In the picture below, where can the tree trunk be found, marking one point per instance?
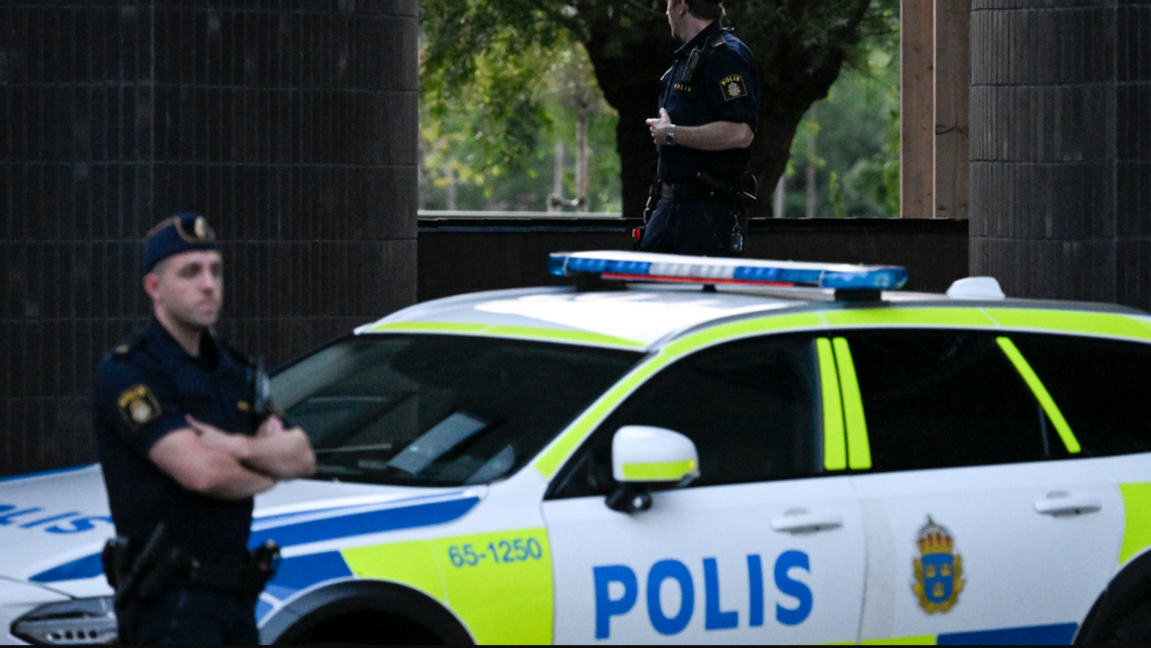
(812, 169)
(628, 74)
(583, 181)
(770, 151)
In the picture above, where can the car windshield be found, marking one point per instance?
(439, 410)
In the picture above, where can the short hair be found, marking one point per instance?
(706, 9)
(161, 267)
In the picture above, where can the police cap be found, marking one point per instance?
(184, 232)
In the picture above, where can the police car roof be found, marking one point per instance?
(677, 294)
(645, 316)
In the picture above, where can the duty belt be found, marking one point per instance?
(693, 191)
(242, 578)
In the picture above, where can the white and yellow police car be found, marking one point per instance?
(708, 459)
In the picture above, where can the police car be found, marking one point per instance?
(684, 450)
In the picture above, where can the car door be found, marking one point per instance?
(763, 547)
(984, 523)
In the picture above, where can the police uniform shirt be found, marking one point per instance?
(143, 391)
(725, 88)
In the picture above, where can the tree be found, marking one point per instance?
(485, 149)
(850, 141)
(800, 47)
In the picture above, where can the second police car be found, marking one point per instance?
(665, 462)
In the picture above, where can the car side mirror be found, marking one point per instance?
(645, 459)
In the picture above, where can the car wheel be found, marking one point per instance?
(1133, 628)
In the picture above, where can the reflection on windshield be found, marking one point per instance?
(439, 409)
(447, 435)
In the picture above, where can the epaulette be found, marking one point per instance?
(121, 352)
(125, 348)
(717, 39)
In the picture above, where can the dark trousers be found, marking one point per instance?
(695, 227)
(187, 616)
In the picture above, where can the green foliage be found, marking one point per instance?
(856, 150)
(488, 128)
(835, 196)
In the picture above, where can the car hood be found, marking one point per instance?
(53, 525)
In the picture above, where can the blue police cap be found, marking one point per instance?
(183, 232)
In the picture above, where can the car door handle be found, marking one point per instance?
(1060, 503)
(800, 521)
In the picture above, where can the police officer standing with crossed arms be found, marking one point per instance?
(183, 454)
(707, 120)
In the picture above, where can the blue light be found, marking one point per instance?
(866, 278)
(778, 275)
(675, 268)
(629, 267)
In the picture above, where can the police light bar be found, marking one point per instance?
(645, 266)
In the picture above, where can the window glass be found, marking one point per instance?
(1102, 388)
(439, 409)
(937, 399)
(750, 408)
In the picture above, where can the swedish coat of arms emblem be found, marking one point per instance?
(938, 569)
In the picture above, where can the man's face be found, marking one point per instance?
(189, 288)
(674, 19)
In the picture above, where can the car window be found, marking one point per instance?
(938, 399)
(749, 407)
(439, 409)
(1102, 388)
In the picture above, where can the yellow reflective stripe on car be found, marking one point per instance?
(408, 563)
(834, 437)
(1041, 394)
(500, 585)
(553, 457)
(858, 447)
(744, 328)
(958, 316)
(516, 332)
(1137, 528)
(662, 471)
(1112, 324)
(926, 640)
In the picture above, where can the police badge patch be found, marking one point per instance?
(733, 87)
(138, 406)
(938, 570)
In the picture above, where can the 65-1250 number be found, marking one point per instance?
(501, 551)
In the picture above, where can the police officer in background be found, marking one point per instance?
(707, 120)
(183, 454)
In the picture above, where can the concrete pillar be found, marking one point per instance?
(291, 125)
(1061, 148)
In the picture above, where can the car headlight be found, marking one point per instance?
(69, 623)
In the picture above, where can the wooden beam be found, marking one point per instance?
(917, 108)
(952, 89)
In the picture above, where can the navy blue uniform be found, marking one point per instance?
(143, 391)
(723, 87)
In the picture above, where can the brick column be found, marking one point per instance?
(291, 125)
(1061, 148)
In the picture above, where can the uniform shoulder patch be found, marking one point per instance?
(138, 406)
(733, 87)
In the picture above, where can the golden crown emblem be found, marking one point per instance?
(934, 539)
(932, 577)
